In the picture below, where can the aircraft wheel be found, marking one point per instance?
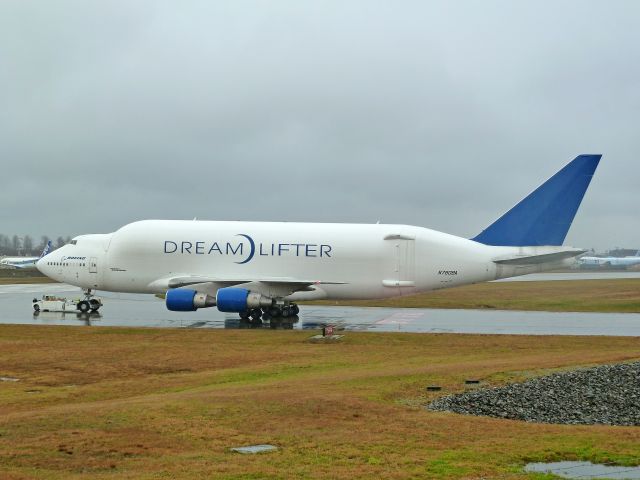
(244, 314)
(266, 316)
(275, 312)
(36, 308)
(286, 311)
(94, 304)
(84, 306)
(295, 309)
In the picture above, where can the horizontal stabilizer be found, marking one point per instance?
(538, 259)
(544, 216)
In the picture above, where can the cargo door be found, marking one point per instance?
(402, 252)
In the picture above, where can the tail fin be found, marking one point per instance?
(46, 250)
(544, 216)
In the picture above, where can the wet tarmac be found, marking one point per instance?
(149, 311)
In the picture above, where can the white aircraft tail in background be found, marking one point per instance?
(261, 269)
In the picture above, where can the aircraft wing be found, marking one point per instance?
(270, 286)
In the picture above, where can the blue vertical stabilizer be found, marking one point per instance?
(544, 217)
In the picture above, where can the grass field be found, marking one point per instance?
(23, 280)
(98, 403)
(12, 275)
(611, 295)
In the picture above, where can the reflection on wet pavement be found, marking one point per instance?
(149, 311)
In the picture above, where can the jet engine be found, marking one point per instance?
(232, 299)
(187, 300)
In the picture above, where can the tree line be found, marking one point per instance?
(25, 245)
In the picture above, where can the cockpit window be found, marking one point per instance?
(73, 242)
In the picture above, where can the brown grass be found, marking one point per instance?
(611, 295)
(145, 403)
(23, 280)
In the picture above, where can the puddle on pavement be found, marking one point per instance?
(585, 470)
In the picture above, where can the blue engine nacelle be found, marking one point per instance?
(187, 300)
(233, 299)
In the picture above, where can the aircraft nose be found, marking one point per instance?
(41, 266)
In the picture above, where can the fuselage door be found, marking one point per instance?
(403, 268)
(93, 265)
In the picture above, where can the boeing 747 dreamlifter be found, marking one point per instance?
(260, 269)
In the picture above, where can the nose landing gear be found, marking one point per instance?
(89, 303)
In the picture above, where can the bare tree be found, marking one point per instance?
(15, 245)
(27, 245)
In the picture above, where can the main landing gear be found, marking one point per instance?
(89, 303)
(257, 315)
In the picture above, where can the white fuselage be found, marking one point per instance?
(352, 260)
(609, 261)
(20, 262)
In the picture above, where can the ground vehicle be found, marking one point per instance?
(51, 303)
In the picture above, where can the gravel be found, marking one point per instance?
(608, 395)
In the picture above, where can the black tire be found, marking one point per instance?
(275, 312)
(244, 314)
(286, 311)
(94, 304)
(84, 306)
(295, 309)
(36, 308)
(266, 316)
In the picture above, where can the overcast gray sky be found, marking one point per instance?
(438, 114)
